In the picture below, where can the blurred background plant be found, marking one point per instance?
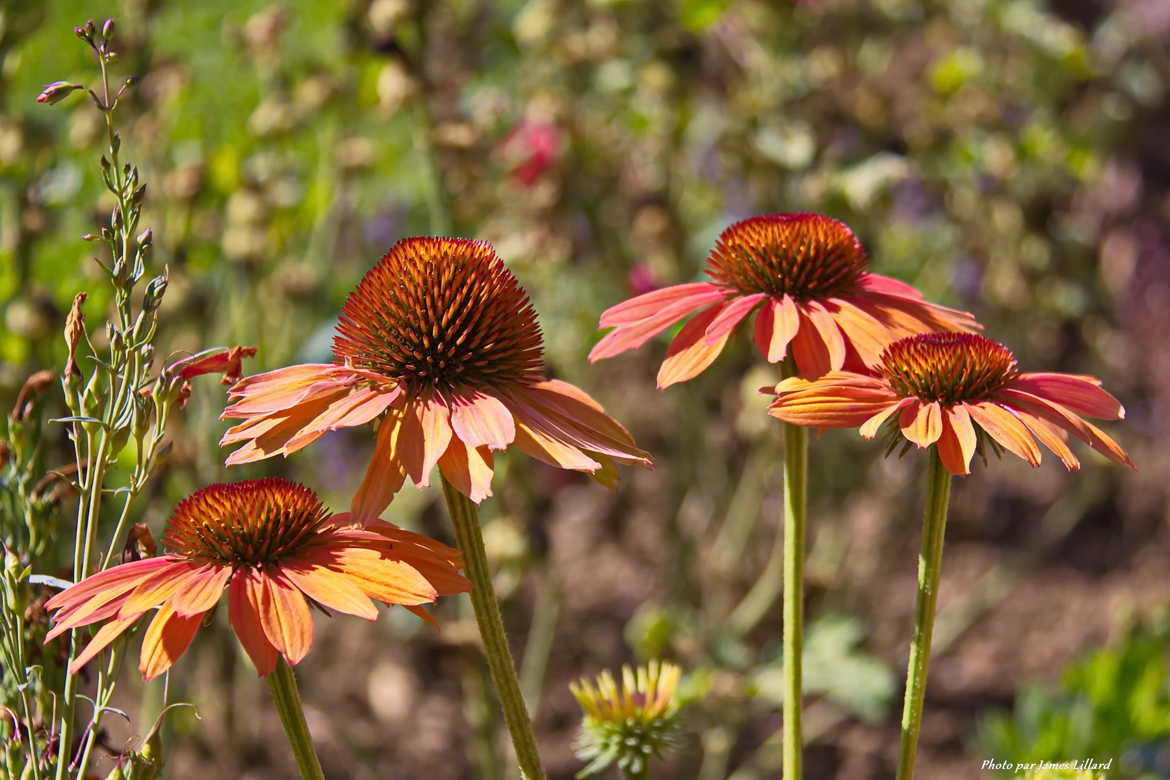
(1006, 156)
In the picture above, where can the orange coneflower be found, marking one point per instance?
(807, 274)
(441, 341)
(944, 388)
(275, 548)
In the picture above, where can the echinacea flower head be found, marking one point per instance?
(275, 548)
(950, 389)
(629, 724)
(440, 343)
(806, 276)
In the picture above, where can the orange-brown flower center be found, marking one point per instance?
(252, 523)
(948, 367)
(441, 314)
(802, 255)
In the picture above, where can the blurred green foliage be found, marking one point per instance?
(1114, 704)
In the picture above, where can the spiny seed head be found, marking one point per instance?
(948, 367)
(252, 523)
(441, 314)
(802, 255)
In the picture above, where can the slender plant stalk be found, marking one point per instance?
(283, 685)
(465, 518)
(934, 525)
(795, 516)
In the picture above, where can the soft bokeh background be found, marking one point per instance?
(1007, 156)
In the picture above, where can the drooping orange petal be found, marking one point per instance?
(1059, 415)
(830, 334)
(1051, 436)
(922, 423)
(870, 427)
(1005, 428)
(422, 613)
(689, 354)
(649, 304)
(423, 437)
(809, 350)
(203, 592)
(329, 588)
(636, 334)
(244, 599)
(167, 637)
(165, 583)
(564, 413)
(384, 475)
(105, 581)
(106, 634)
(776, 324)
(949, 451)
(730, 315)
(357, 407)
(867, 335)
(285, 616)
(964, 430)
(888, 285)
(279, 389)
(469, 470)
(839, 399)
(394, 582)
(1083, 395)
(536, 443)
(482, 420)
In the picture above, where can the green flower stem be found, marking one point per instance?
(465, 517)
(795, 515)
(934, 525)
(283, 685)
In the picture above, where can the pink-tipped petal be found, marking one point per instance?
(689, 354)
(729, 316)
(830, 334)
(423, 438)
(1080, 394)
(808, 349)
(652, 303)
(482, 420)
(870, 427)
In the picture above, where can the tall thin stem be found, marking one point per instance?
(934, 523)
(292, 716)
(465, 518)
(795, 515)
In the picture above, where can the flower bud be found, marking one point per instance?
(155, 289)
(630, 724)
(74, 332)
(57, 91)
(108, 29)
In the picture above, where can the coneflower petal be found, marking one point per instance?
(830, 334)
(1005, 428)
(649, 304)
(106, 634)
(244, 598)
(385, 474)
(1080, 394)
(482, 420)
(285, 616)
(1083, 429)
(729, 316)
(809, 349)
(327, 587)
(166, 639)
(1051, 436)
(690, 352)
(776, 324)
(922, 423)
(469, 469)
(203, 592)
(423, 437)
